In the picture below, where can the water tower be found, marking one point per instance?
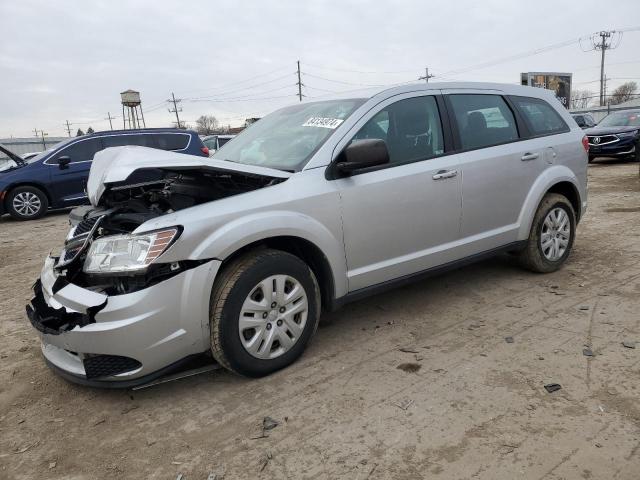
(132, 109)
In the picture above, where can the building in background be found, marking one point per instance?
(20, 146)
(560, 83)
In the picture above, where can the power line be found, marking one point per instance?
(359, 71)
(299, 83)
(426, 75)
(219, 94)
(175, 108)
(109, 117)
(240, 82)
(607, 38)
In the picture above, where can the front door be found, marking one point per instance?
(69, 183)
(402, 217)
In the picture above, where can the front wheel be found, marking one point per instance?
(551, 236)
(27, 203)
(265, 308)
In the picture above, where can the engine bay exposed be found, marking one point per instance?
(124, 206)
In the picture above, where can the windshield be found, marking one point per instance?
(621, 119)
(288, 137)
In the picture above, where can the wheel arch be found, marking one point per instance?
(37, 185)
(306, 251)
(558, 179)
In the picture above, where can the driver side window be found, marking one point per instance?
(82, 151)
(411, 128)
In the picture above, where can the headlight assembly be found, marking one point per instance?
(127, 253)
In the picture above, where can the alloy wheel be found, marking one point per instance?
(556, 233)
(27, 204)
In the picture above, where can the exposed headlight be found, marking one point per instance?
(127, 253)
(633, 133)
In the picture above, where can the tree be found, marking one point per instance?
(206, 124)
(581, 98)
(624, 92)
(79, 133)
(89, 130)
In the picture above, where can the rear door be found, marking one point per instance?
(400, 218)
(69, 184)
(497, 168)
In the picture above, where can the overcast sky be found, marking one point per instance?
(69, 60)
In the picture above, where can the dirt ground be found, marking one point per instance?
(465, 404)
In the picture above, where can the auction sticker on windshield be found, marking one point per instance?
(321, 122)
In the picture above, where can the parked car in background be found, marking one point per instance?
(616, 136)
(215, 142)
(584, 120)
(316, 205)
(57, 178)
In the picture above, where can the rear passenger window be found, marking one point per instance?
(483, 120)
(123, 140)
(172, 141)
(83, 151)
(411, 128)
(541, 118)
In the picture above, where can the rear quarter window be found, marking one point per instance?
(540, 117)
(483, 120)
(172, 141)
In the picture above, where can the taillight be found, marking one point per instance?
(585, 143)
(205, 150)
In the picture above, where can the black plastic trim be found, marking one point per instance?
(124, 384)
(413, 277)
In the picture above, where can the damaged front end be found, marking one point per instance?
(108, 305)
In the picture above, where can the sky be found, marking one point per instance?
(68, 60)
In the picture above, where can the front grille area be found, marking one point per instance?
(96, 366)
(85, 226)
(603, 139)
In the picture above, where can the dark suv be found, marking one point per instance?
(617, 136)
(57, 178)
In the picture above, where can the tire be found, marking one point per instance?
(27, 203)
(244, 349)
(544, 260)
(591, 158)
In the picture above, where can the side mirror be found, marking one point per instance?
(363, 154)
(63, 162)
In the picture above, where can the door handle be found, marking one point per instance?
(442, 174)
(529, 156)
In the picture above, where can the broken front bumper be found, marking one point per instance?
(122, 340)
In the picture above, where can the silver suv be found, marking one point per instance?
(315, 205)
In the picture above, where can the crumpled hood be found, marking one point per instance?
(116, 164)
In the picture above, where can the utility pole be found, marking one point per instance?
(426, 75)
(109, 117)
(68, 127)
(175, 107)
(299, 83)
(44, 144)
(604, 44)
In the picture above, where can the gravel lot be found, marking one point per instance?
(466, 404)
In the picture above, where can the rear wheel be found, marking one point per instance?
(551, 236)
(27, 203)
(264, 310)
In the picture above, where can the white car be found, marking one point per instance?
(215, 142)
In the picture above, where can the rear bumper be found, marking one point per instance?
(97, 339)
